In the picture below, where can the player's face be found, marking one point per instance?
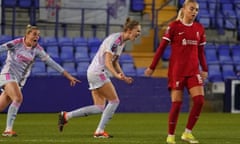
(135, 33)
(33, 37)
(191, 11)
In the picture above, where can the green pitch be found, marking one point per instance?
(127, 128)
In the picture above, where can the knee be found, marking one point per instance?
(116, 101)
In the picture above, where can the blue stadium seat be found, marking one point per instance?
(137, 5)
(210, 46)
(82, 68)
(82, 57)
(94, 43)
(70, 67)
(50, 41)
(52, 72)
(80, 41)
(126, 58)
(67, 53)
(214, 73)
(140, 71)
(230, 20)
(65, 41)
(9, 3)
(204, 17)
(129, 69)
(39, 69)
(93, 49)
(5, 38)
(237, 67)
(236, 54)
(166, 54)
(228, 71)
(83, 49)
(211, 56)
(25, 3)
(223, 46)
(224, 56)
(54, 52)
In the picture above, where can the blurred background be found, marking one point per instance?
(72, 30)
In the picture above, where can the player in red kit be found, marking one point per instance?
(187, 40)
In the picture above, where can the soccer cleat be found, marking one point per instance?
(170, 139)
(102, 135)
(9, 134)
(62, 120)
(188, 137)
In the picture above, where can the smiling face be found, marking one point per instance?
(32, 37)
(190, 10)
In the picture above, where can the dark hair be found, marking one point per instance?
(130, 24)
(29, 28)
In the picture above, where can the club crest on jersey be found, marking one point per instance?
(114, 47)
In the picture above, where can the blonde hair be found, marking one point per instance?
(130, 24)
(29, 28)
(180, 12)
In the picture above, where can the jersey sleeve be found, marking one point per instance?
(112, 46)
(41, 53)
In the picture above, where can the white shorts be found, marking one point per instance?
(5, 78)
(97, 80)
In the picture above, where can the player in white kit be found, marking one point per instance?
(104, 65)
(21, 54)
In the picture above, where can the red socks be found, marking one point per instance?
(198, 102)
(173, 116)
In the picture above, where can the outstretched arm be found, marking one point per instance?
(49, 61)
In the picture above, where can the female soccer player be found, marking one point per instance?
(22, 53)
(105, 64)
(187, 39)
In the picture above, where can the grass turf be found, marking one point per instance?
(127, 128)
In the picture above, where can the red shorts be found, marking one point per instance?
(179, 83)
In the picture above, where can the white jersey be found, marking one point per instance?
(20, 59)
(112, 44)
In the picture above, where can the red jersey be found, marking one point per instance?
(187, 52)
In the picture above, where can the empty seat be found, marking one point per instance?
(94, 42)
(137, 5)
(5, 38)
(224, 56)
(53, 51)
(52, 72)
(67, 53)
(82, 68)
(228, 71)
(9, 3)
(140, 71)
(211, 56)
(82, 57)
(236, 55)
(129, 69)
(38, 69)
(65, 41)
(166, 54)
(25, 3)
(214, 73)
(83, 49)
(50, 41)
(126, 58)
(70, 67)
(80, 41)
